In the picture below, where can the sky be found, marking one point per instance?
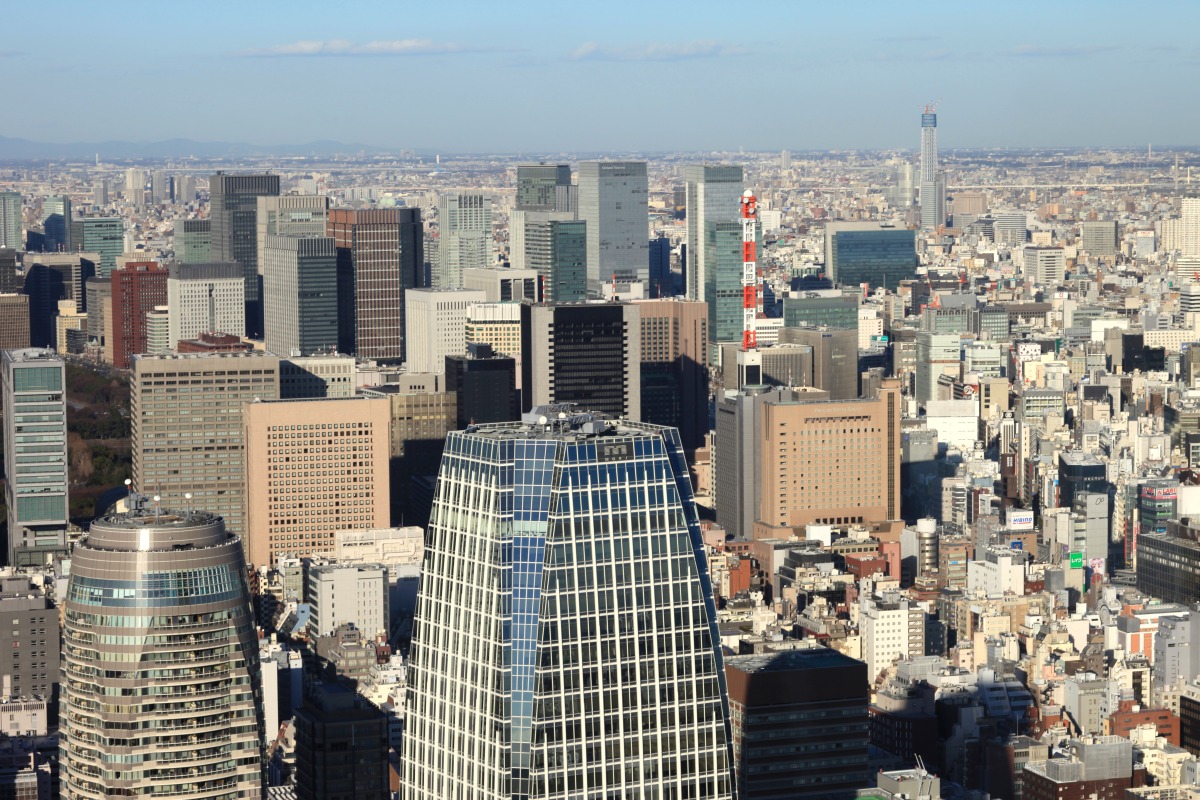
(526, 76)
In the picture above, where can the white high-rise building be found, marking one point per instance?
(1189, 227)
(1045, 266)
(436, 325)
(355, 594)
(135, 185)
(464, 237)
(205, 298)
(612, 201)
(933, 184)
(582, 614)
(713, 194)
(891, 627)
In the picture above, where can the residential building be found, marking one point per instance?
(174, 582)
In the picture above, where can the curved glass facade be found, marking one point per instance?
(578, 656)
(161, 693)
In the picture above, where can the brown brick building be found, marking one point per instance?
(137, 287)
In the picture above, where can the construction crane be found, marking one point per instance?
(749, 272)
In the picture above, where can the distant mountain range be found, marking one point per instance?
(12, 149)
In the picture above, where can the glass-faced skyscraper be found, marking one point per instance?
(161, 689)
(233, 209)
(933, 184)
(564, 642)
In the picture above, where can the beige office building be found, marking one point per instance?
(187, 427)
(314, 467)
(828, 462)
(497, 324)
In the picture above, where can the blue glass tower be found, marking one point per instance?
(564, 642)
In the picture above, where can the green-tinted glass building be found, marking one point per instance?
(723, 284)
(103, 235)
(557, 249)
(816, 308)
(867, 252)
(193, 241)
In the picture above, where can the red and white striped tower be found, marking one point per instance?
(749, 272)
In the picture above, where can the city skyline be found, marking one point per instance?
(825, 77)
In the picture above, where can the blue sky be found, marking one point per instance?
(510, 76)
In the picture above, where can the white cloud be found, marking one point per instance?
(345, 47)
(661, 51)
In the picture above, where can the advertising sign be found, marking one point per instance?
(1076, 560)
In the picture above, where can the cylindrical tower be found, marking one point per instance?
(161, 691)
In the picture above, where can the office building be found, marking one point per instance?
(12, 234)
(870, 253)
(348, 594)
(158, 331)
(612, 201)
(829, 307)
(892, 627)
(938, 354)
(557, 251)
(501, 284)
(193, 242)
(1080, 471)
(33, 391)
(56, 223)
(799, 724)
(325, 375)
(381, 256)
(783, 364)
(59, 276)
(188, 437)
(204, 298)
(313, 467)
(104, 236)
(737, 447)
(714, 194)
(1045, 266)
(341, 746)
(289, 215)
(933, 187)
(583, 353)
(662, 280)
(484, 384)
(723, 291)
(1099, 238)
(100, 192)
(544, 187)
(14, 321)
(497, 325)
(233, 209)
(834, 358)
(673, 377)
(300, 295)
(135, 185)
(69, 320)
(98, 292)
(464, 237)
(32, 669)
(488, 720)
(436, 323)
(190, 724)
(138, 288)
(827, 462)
(161, 188)
(1168, 563)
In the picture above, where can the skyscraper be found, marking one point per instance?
(484, 384)
(104, 236)
(612, 201)
(583, 353)
(544, 187)
(723, 291)
(380, 256)
(137, 288)
(867, 252)
(673, 378)
(714, 194)
(557, 250)
(56, 222)
(188, 436)
(289, 215)
(464, 237)
(190, 720)
(100, 192)
(135, 185)
(33, 395)
(933, 187)
(160, 187)
(193, 244)
(300, 294)
(594, 667)
(204, 298)
(436, 324)
(11, 235)
(233, 209)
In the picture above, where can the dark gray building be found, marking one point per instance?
(31, 666)
(834, 358)
(341, 747)
(485, 386)
(300, 295)
(233, 209)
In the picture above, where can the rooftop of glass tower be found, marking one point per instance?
(152, 528)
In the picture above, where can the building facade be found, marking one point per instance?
(871, 253)
(204, 298)
(612, 201)
(531, 713)
(300, 294)
(138, 287)
(233, 210)
(713, 194)
(436, 322)
(464, 237)
(169, 590)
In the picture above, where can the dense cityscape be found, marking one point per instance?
(348, 471)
